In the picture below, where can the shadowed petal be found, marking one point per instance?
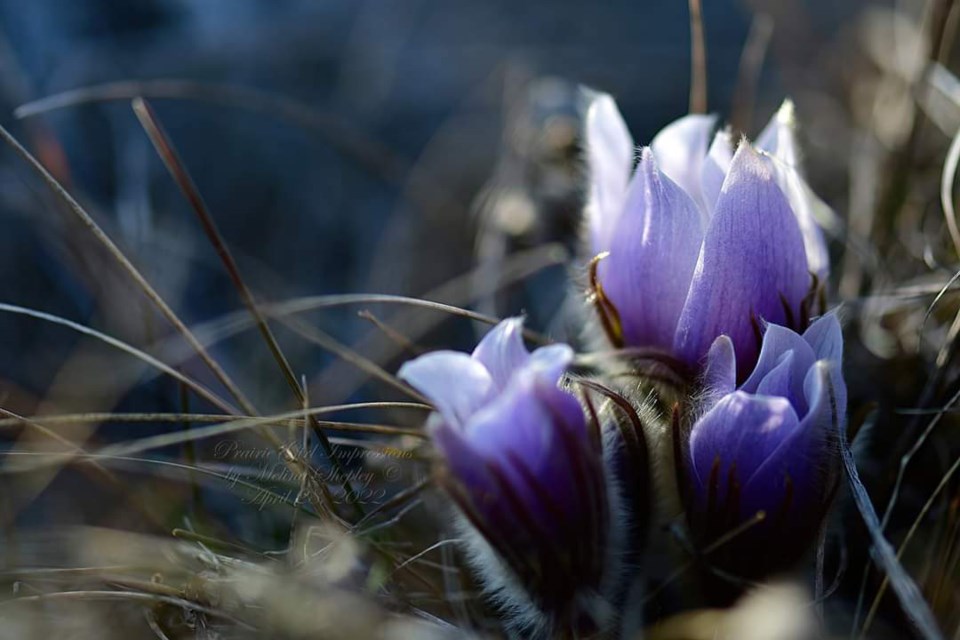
(752, 261)
(652, 257)
(464, 463)
(720, 372)
(502, 351)
(455, 383)
(681, 147)
(610, 160)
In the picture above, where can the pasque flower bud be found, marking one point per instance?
(763, 455)
(527, 476)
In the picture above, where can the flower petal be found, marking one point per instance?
(778, 342)
(652, 257)
(720, 372)
(502, 351)
(455, 383)
(742, 430)
(681, 147)
(550, 362)
(825, 337)
(779, 381)
(779, 139)
(715, 168)
(610, 160)
(826, 393)
(805, 454)
(752, 262)
(524, 425)
(463, 462)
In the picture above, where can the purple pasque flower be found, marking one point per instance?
(703, 240)
(525, 472)
(768, 445)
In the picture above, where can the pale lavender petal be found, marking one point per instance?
(455, 383)
(550, 362)
(681, 147)
(720, 372)
(652, 257)
(779, 140)
(742, 430)
(610, 161)
(752, 263)
(779, 137)
(715, 168)
(502, 351)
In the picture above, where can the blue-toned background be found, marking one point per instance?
(342, 146)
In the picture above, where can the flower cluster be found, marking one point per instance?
(708, 257)
(703, 240)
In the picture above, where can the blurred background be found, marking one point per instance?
(383, 146)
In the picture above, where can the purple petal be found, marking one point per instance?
(610, 160)
(715, 168)
(752, 260)
(742, 430)
(464, 463)
(804, 202)
(720, 372)
(825, 337)
(778, 343)
(550, 362)
(779, 140)
(521, 420)
(804, 454)
(455, 383)
(652, 257)
(779, 381)
(826, 393)
(681, 147)
(502, 351)
(524, 426)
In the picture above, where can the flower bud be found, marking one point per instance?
(759, 466)
(527, 476)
